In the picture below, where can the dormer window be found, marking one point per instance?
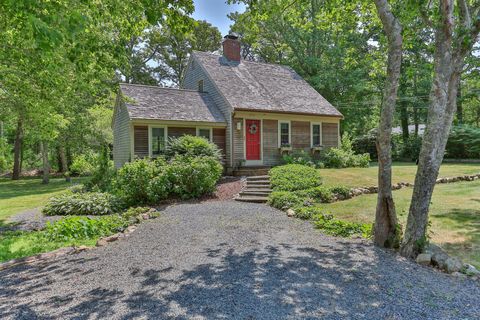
(200, 85)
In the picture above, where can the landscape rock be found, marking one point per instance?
(290, 213)
(130, 229)
(470, 270)
(113, 237)
(145, 216)
(453, 265)
(81, 248)
(424, 259)
(101, 242)
(439, 259)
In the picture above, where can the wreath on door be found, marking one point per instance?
(253, 128)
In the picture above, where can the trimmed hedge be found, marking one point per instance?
(292, 177)
(87, 203)
(192, 147)
(284, 200)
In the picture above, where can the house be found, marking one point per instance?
(253, 111)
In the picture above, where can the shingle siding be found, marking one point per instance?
(140, 141)
(330, 135)
(271, 155)
(121, 135)
(238, 145)
(176, 132)
(195, 73)
(300, 135)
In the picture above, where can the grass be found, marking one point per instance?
(402, 172)
(454, 214)
(20, 195)
(20, 244)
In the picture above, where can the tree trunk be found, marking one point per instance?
(385, 230)
(17, 166)
(443, 97)
(46, 164)
(63, 159)
(404, 121)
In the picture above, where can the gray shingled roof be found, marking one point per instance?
(258, 86)
(150, 102)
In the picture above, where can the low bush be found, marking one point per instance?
(193, 147)
(142, 181)
(298, 157)
(87, 203)
(84, 228)
(321, 194)
(284, 200)
(132, 213)
(342, 191)
(341, 228)
(464, 142)
(292, 177)
(345, 157)
(82, 165)
(191, 177)
(306, 213)
(103, 173)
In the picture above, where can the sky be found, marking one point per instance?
(215, 12)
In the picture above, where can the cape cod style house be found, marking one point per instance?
(253, 111)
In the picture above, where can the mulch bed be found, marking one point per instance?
(227, 189)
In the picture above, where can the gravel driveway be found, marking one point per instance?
(230, 260)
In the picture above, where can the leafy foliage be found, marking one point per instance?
(191, 177)
(293, 177)
(341, 228)
(345, 157)
(301, 157)
(464, 142)
(84, 228)
(192, 147)
(82, 166)
(88, 203)
(284, 200)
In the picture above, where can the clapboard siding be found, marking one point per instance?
(330, 135)
(140, 138)
(175, 132)
(300, 135)
(238, 144)
(121, 134)
(271, 154)
(194, 73)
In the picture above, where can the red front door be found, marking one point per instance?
(252, 137)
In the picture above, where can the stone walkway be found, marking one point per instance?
(233, 260)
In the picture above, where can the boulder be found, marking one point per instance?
(470, 270)
(101, 242)
(424, 259)
(439, 259)
(130, 229)
(113, 237)
(290, 213)
(145, 216)
(453, 265)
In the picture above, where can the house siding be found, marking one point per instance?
(238, 145)
(175, 132)
(219, 139)
(300, 135)
(121, 135)
(271, 155)
(140, 141)
(194, 73)
(330, 135)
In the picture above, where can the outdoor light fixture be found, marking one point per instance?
(239, 126)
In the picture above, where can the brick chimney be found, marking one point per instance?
(231, 47)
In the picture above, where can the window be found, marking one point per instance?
(158, 141)
(284, 133)
(200, 85)
(316, 134)
(205, 132)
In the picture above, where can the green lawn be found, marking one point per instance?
(402, 172)
(454, 213)
(17, 196)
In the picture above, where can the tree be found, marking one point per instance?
(455, 35)
(385, 231)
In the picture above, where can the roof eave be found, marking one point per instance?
(291, 112)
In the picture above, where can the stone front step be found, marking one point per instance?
(255, 189)
(258, 182)
(251, 171)
(254, 193)
(255, 199)
(257, 178)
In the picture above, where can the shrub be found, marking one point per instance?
(192, 177)
(298, 157)
(341, 228)
(103, 173)
(84, 228)
(464, 142)
(284, 200)
(344, 156)
(293, 177)
(88, 203)
(366, 143)
(82, 166)
(193, 147)
(142, 181)
(306, 213)
(132, 213)
(320, 194)
(342, 191)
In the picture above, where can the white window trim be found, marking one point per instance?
(311, 133)
(205, 128)
(150, 127)
(252, 162)
(280, 122)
